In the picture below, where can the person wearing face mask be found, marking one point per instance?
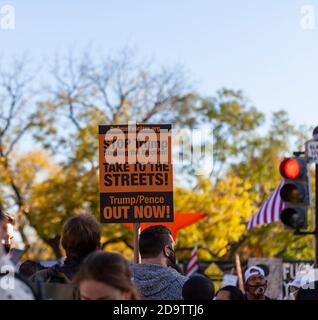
(155, 277)
(255, 284)
(7, 223)
(295, 285)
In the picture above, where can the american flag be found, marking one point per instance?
(193, 265)
(269, 211)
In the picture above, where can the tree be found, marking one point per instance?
(232, 119)
(48, 185)
(83, 95)
(228, 204)
(15, 121)
(232, 200)
(87, 92)
(260, 169)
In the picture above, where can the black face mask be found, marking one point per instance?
(7, 248)
(171, 258)
(259, 289)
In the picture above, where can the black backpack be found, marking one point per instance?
(53, 284)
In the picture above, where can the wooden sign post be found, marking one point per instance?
(239, 273)
(136, 242)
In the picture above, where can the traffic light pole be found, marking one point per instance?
(316, 216)
(315, 232)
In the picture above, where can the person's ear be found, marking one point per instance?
(166, 250)
(61, 243)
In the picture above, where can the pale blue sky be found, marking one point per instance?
(257, 46)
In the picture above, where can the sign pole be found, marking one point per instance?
(316, 216)
(315, 138)
(312, 157)
(136, 242)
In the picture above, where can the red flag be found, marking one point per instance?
(181, 220)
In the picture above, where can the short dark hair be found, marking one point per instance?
(235, 292)
(153, 240)
(81, 235)
(198, 287)
(5, 215)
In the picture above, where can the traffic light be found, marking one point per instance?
(295, 192)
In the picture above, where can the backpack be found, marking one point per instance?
(55, 285)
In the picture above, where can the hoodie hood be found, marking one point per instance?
(157, 282)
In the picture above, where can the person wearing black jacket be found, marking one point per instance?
(81, 235)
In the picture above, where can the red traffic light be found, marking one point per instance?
(290, 168)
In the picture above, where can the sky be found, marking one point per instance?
(258, 46)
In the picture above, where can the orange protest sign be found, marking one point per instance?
(135, 166)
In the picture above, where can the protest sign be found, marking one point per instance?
(136, 180)
(290, 270)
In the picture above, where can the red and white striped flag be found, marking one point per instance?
(270, 210)
(193, 265)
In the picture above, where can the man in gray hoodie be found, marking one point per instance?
(154, 277)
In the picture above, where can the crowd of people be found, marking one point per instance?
(88, 273)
